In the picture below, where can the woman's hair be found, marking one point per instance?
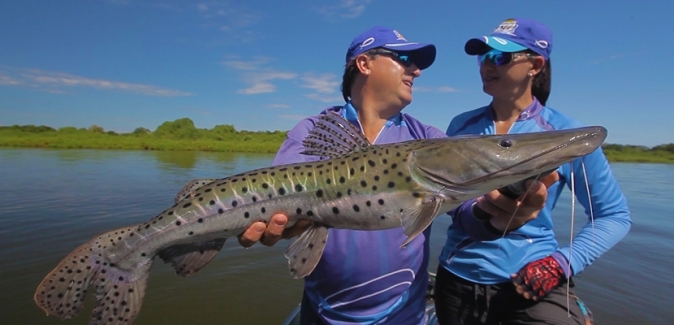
(350, 73)
(542, 83)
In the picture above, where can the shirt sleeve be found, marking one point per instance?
(291, 149)
(452, 128)
(463, 217)
(606, 208)
(433, 133)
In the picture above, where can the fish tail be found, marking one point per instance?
(119, 292)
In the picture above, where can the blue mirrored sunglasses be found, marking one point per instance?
(402, 57)
(499, 58)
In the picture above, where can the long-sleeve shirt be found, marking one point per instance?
(469, 255)
(365, 277)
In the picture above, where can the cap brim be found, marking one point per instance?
(477, 46)
(423, 54)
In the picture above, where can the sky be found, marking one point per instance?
(266, 64)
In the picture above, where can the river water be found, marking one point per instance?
(53, 200)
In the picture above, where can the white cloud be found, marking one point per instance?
(257, 75)
(446, 89)
(261, 82)
(326, 99)
(344, 9)
(293, 117)
(325, 87)
(258, 88)
(56, 82)
(257, 63)
(600, 60)
(9, 81)
(323, 84)
(228, 18)
(260, 77)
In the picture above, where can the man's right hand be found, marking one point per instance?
(269, 234)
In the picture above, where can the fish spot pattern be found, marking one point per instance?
(248, 196)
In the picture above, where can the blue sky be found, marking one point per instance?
(263, 65)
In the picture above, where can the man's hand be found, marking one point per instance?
(508, 214)
(269, 234)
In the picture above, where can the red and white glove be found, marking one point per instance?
(538, 278)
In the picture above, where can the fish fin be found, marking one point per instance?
(187, 259)
(306, 250)
(119, 297)
(333, 136)
(119, 292)
(418, 218)
(191, 186)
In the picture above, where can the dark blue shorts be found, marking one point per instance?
(461, 302)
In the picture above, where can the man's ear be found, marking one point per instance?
(364, 63)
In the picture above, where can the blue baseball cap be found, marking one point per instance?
(422, 54)
(514, 35)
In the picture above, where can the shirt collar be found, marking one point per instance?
(350, 114)
(533, 110)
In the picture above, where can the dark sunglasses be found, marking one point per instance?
(401, 57)
(499, 58)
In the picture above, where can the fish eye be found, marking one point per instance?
(506, 143)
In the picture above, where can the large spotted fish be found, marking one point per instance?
(356, 186)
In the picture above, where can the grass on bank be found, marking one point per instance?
(182, 135)
(177, 135)
(628, 153)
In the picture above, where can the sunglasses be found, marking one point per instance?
(401, 57)
(499, 58)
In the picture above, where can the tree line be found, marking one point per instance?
(180, 134)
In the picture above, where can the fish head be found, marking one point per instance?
(464, 167)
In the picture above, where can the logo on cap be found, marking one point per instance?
(542, 44)
(367, 42)
(507, 27)
(399, 36)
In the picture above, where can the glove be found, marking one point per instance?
(538, 278)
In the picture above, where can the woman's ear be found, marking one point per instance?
(537, 64)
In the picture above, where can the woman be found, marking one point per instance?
(517, 277)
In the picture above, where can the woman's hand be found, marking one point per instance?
(509, 214)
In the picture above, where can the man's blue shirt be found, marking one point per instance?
(365, 277)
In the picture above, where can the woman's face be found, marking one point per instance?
(507, 75)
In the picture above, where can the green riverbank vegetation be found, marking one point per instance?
(182, 135)
(179, 135)
(663, 153)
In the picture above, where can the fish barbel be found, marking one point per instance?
(356, 186)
